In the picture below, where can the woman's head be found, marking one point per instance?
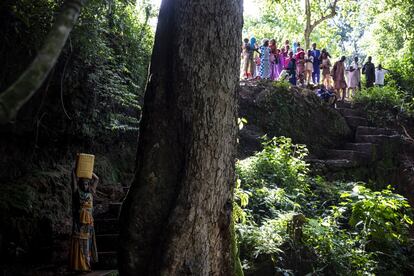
(84, 184)
(290, 54)
(252, 41)
(273, 42)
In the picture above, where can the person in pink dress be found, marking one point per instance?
(300, 67)
(326, 70)
(287, 59)
(273, 60)
(338, 75)
(280, 62)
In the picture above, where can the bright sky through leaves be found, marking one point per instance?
(250, 8)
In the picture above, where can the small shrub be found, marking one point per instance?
(385, 104)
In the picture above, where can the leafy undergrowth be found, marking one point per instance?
(300, 225)
(386, 104)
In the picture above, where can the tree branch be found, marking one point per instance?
(27, 84)
(324, 17)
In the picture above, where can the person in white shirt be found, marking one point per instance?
(353, 80)
(355, 64)
(380, 75)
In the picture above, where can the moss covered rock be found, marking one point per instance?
(275, 109)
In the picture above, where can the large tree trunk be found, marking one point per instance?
(27, 84)
(176, 218)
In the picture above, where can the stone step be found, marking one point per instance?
(352, 155)
(356, 121)
(331, 165)
(342, 104)
(366, 148)
(101, 273)
(377, 139)
(107, 260)
(106, 226)
(350, 112)
(107, 242)
(364, 130)
(114, 209)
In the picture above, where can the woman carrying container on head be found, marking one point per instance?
(83, 249)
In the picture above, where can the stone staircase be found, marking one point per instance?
(368, 146)
(107, 234)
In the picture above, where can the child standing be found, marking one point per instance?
(291, 68)
(247, 59)
(308, 67)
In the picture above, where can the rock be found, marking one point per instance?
(378, 139)
(350, 112)
(331, 165)
(343, 104)
(249, 140)
(351, 155)
(356, 121)
(364, 130)
(369, 149)
(277, 110)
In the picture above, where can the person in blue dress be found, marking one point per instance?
(264, 71)
(316, 74)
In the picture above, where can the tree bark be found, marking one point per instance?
(308, 30)
(176, 217)
(27, 84)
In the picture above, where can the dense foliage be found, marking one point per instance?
(307, 225)
(96, 89)
(385, 105)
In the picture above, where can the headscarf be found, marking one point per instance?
(264, 40)
(253, 42)
(295, 47)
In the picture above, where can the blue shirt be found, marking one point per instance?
(316, 54)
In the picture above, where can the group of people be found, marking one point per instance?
(301, 67)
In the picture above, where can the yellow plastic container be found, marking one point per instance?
(84, 168)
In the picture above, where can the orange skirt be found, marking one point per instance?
(83, 251)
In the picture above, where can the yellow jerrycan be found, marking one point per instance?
(85, 163)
